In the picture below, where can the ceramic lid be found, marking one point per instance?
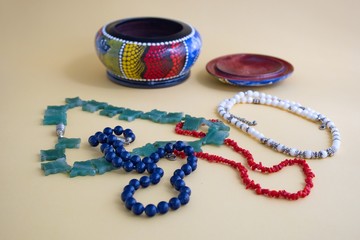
(249, 69)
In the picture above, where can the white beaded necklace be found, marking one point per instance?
(265, 99)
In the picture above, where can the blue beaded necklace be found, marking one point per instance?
(112, 146)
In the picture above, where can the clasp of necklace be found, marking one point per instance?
(60, 130)
(244, 120)
(126, 141)
(323, 124)
(170, 156)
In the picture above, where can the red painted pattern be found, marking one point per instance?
(164, 61)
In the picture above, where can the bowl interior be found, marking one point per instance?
(148, 29)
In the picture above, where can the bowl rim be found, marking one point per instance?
(184, 29)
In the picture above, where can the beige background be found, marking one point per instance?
(47, 54)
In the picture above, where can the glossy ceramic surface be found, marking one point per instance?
(148, 52)
(249, 69)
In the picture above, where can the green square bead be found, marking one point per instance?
(93, 106)
(57, 166)
(52, 154)
(73, 102)
(111, 111)
(173, 117)
(101, 165)
(130, 115)
(145, 150)
(62, 108)
(217, 124)
(215, 136)
(154, 115)
(55, 119)
(192, 123)
(84, 168)
(55, 115)
(68, 143)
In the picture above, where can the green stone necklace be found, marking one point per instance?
(53, 160)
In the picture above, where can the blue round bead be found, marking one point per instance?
(193, 166)
(125, 155)
(97, 133)
(169, 148)
(137, 208)
(104, 146)
(135, 183)
(186, 168)
(188, 150)
(119, 150)
(111, 139)
(159, 171)
(129, 188)
(108, 149)
(93, 141)
(179, 183)
(174, 203)
(131, 136)
(102, 138)
(110, 156)
(127, 132)
(155, 157)
(184, 198)
(155, 178)
(129, 203)
(145, 181)
(126, 194)
(163, 207)
(150, 210)
(140, 167)
(179, 145)
(128, 166)
(173, 179)
(117, 162)
(118, 143)
(150, 167)
(135, 159)
(191, 159)
(185, 189)
(118, 130)
(146, 160)
(107, 131)
(179, 172)
(161, 152)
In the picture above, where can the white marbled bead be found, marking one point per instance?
(293, 152)
(307, 154)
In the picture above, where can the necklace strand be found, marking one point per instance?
(261, 98)
(251, 184)
(114, 152)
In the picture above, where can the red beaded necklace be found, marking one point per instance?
(250, 184)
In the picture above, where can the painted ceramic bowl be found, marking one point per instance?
(148, 52)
